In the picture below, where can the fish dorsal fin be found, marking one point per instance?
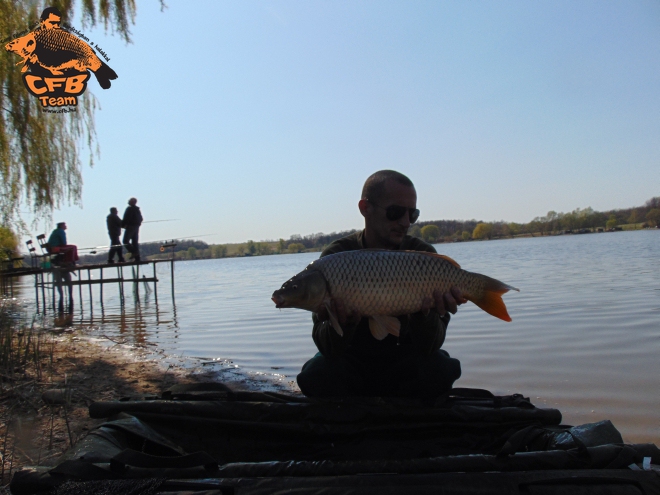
(442, 256)
(436, 255)
(447, 258)
(333, 317)
(381, 325)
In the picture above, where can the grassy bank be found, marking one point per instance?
(51, 371)
(37, 358)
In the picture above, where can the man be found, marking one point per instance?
(50, 18)
(57, 245)
(114, 231)
(131, 223)
(356, 364)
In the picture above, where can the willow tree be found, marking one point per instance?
(41, 154)
(8, 243)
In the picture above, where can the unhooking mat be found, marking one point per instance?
(208, 433)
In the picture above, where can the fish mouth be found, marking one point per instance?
(278, 300)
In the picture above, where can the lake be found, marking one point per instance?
(585, 335)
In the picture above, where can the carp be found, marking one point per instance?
(57, 50)
(384, 284)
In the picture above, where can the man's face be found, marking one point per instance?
(63, 226)
(53, 21)
(390, 233)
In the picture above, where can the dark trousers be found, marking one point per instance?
(62, 278)
(115, 248)
(406, 375)
(68, 252)
(131, 240)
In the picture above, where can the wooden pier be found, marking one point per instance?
(56, 279)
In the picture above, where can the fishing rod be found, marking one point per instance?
(146, 242)
(157, 221)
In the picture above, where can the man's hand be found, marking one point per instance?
(345, 318)
(449, 301)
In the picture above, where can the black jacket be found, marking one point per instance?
(114, 224)
(132, 217)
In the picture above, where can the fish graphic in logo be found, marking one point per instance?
(51, 51)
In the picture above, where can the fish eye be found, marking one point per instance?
(294, 287)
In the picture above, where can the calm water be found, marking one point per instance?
(585, 336)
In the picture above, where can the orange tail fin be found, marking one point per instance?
(491, 299)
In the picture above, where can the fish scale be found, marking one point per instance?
(392, 282)
(58, 39)
(382, 284)
(374, 282)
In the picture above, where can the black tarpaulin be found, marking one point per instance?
(274, 443)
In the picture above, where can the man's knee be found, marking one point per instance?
(313, 375)
(324, 377)
(306, 383)
(446, 370)
(437, 373)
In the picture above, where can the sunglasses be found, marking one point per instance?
(395, 212)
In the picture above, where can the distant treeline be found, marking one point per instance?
(578, 220)
(435, 231)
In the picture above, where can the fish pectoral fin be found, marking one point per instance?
(381, 325)
(333, 317)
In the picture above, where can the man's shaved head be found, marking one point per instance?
(374, 186)
(45, 14)
(382, 190)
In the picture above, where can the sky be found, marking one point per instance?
(261, 119)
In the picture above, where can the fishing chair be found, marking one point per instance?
(55, 258)
(34, 257)
(41, 239)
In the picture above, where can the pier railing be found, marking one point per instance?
(54, 280)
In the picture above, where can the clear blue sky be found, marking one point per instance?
(262, 119)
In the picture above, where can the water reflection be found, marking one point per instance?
(136, 319)
(131, 311)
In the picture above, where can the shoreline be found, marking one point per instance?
(77, 369)
(96, 259)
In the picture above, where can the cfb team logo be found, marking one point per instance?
(56, 63)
